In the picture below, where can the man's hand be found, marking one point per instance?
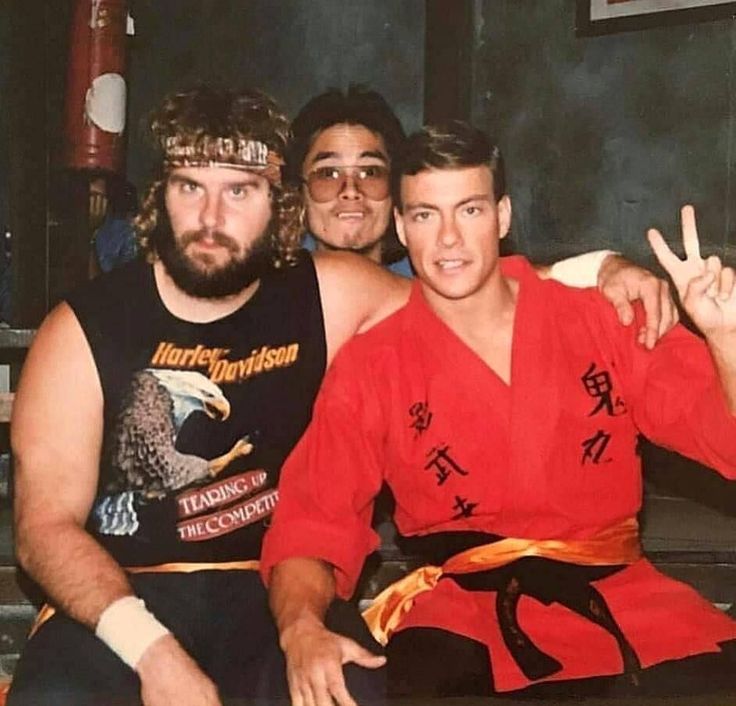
(170, 677)
(705, 287)
(622, 282)
(314, 660)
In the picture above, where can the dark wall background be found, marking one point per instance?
(31, 96)
(606, 136)
(293, 49)
(4, 100)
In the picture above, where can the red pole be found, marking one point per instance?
(96, 88)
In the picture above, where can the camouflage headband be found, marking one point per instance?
(248, 155)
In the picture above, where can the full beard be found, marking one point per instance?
(204, 280)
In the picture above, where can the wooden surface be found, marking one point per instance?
(6, 406)
(16, 337)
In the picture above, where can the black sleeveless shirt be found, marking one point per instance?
(198, 418)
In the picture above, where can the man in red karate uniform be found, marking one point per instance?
(503, 411)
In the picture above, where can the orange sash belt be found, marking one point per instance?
(618, 544)
(183, 567)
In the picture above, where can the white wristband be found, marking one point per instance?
(128, 629)
(581, 270)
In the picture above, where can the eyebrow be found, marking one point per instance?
(249, 180)
(375, 154)
(420, 204)
(179, 179)
(434, 207)
(245, 180)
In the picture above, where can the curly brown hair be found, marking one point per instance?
(205, 113)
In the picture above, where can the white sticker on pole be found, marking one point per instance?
(94, 13)
(105, 103)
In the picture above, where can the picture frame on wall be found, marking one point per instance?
(595, 17)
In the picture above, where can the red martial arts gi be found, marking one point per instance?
(551, 456)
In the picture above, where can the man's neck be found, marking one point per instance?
(484, 321)
(372, 252)
(197, 310)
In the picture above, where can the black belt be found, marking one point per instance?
(546, 580)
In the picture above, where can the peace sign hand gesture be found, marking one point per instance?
(706, 287)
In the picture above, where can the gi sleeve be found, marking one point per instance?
(329, 482)
(676, 397)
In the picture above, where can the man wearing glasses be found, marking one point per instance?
(342, 148)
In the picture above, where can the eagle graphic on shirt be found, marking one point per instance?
(143, 449)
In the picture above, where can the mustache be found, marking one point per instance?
(220, 238)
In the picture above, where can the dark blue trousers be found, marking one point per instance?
(223, 621)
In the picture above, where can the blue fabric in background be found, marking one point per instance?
(115, 243)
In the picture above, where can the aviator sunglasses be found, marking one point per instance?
(325, 183)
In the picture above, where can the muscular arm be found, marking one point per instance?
(707, 292)
(301, 589)
(321, 531)
(621, 282)
(300, 592)
(56, 439)
(355, 294)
